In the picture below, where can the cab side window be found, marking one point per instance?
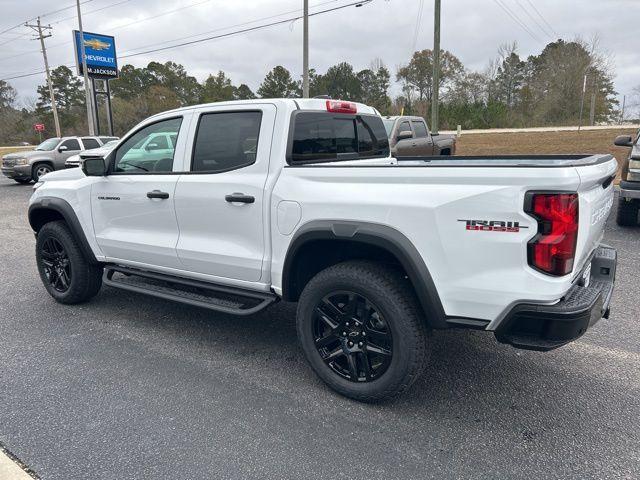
(420, 128)
(226, 141)
(404, 127)
(72, 145)
(148, 150)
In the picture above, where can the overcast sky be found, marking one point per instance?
(471, 29)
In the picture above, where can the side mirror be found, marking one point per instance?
(62, 148)
(94, 167)
(623, 141)
(404, 134)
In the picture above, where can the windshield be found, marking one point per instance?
(48, 144)
(388, 125)
(110, 144)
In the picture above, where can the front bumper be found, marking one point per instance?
(629, 189)
(17, 171)
(545, 327)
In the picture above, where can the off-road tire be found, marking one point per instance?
(391, 292)
(627, 215)
(86, 277)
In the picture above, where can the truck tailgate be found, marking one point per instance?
(596, 194)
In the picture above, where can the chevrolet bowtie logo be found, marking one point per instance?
(96, 44)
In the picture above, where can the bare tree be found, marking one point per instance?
(632, 111)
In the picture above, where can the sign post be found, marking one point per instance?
(98, 53)
(39, 127)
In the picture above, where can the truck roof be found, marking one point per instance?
(319, 104)
(408, 117)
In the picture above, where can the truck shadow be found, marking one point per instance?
(469, 375)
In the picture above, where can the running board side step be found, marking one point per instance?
(221, 298)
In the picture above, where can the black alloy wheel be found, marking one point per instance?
(56, 263)
(352, 336)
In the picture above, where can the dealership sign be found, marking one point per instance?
(100, 54)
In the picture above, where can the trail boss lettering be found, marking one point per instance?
(493, 225)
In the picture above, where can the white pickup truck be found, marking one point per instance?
(263, 200)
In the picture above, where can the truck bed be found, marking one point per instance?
(544, 161)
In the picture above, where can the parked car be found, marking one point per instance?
(50, 155)
(75, 160)
(260, 200)
(629, 200)
(410, 137)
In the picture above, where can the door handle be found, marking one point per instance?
(414, 144)
(157, 194)
(240, 198)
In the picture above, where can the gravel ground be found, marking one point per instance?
(129, 387)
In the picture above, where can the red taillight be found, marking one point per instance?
(340, 106)
(553, 249)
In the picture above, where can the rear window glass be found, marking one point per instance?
(90, 143)
(226, 141)
(319, 136)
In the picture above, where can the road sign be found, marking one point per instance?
(100, 53)
(38, 127)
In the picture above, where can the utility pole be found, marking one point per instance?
(305, 51)
(38, 28)
(592, 112)
(87, 93)
(584, 89)
(436, 69)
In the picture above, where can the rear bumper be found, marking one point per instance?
(629, 189)
(545, 327)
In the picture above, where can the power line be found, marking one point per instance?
(20, 37)
(168, 12)
(57, 45)
(64, 8)
(417, 29)
(245, 30)
(43, 15)
(30, 52)
(228, 34)
(516, 19)
(534, 20)
(542, 18)
(73, 17)
(23, 76)
(229, 26)
(62, 44)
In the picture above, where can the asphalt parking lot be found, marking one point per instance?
(129, 387)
